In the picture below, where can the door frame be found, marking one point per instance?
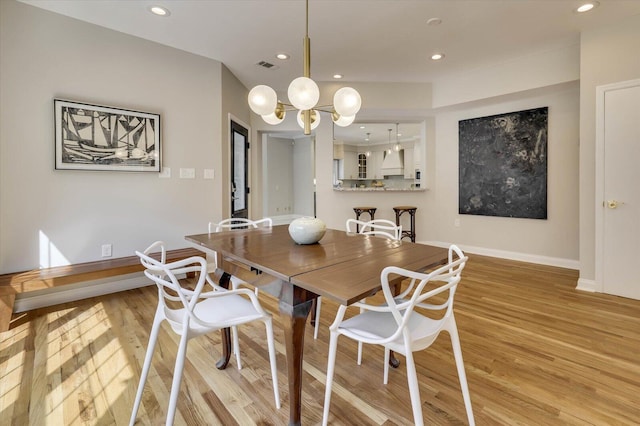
(229, 178)
(601, 92)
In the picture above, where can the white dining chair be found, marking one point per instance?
(231, 224)
(398, 326)
(191, 313)
(377, 227)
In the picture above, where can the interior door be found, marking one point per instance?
(239, 171)
(620, 227)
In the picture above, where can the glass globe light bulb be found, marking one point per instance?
(344, 120)
(397, 147)
(303, 93)
(315, 119)
(347, 101)
(263, 100)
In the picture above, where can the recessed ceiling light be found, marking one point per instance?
(362, 127)
(337, 76)
(437, 56)
(160, 11)
(434, 21)
(282, 56)
(587, 6)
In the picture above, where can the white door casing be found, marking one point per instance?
(618, 188)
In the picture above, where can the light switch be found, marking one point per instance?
(208, 173)
(187, 173)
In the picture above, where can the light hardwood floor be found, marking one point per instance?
(537, 352)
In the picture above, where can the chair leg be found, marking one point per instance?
(457, 354)
(360, 344)
(414, 388)
(272, 361)
(153, 338)
(177, 379)
(387, 355)
(317, 326)
(236, 346)
(333, 346)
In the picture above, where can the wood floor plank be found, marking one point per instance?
(536, 351)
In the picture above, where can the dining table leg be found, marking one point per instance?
(222, 363)
(295, 305)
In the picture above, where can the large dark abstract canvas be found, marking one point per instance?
(94, 137)
(503, 165)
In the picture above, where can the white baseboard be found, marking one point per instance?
(587, 285)
(522, 257)
(78, 291)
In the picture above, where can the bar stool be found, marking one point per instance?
(400, 210)
(360, 210)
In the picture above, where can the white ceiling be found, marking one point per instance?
(365, 40)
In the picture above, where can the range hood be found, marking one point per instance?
(393, 164)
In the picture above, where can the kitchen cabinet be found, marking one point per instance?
(409, 165)
(417, 156)
(350, 165)
(374, 165)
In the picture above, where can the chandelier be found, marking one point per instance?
(304, 95)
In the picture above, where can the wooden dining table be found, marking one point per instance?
(342, 266)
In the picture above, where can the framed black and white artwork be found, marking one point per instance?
(96, 137)
(503, 165)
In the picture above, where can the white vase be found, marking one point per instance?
(307, 230)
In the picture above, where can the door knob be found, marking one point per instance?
(613, 204)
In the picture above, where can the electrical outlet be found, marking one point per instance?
(209, 174)
(456, 223)
(106, 250)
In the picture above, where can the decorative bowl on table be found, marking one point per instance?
(307, 230)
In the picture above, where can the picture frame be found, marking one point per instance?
(104, 138)
(502, 165)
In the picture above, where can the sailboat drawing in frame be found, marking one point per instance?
(94, 137)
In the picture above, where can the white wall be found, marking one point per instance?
(532, 71)
(555, 237)
(79, 211)
(46, 56)
(552, 241)
(278, 182)
(288, 165)
(304, 174)
(607, 55)
(234, 108)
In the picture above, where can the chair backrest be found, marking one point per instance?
(419, 292)
(164, 275)
(377, 227)
(239, 223)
